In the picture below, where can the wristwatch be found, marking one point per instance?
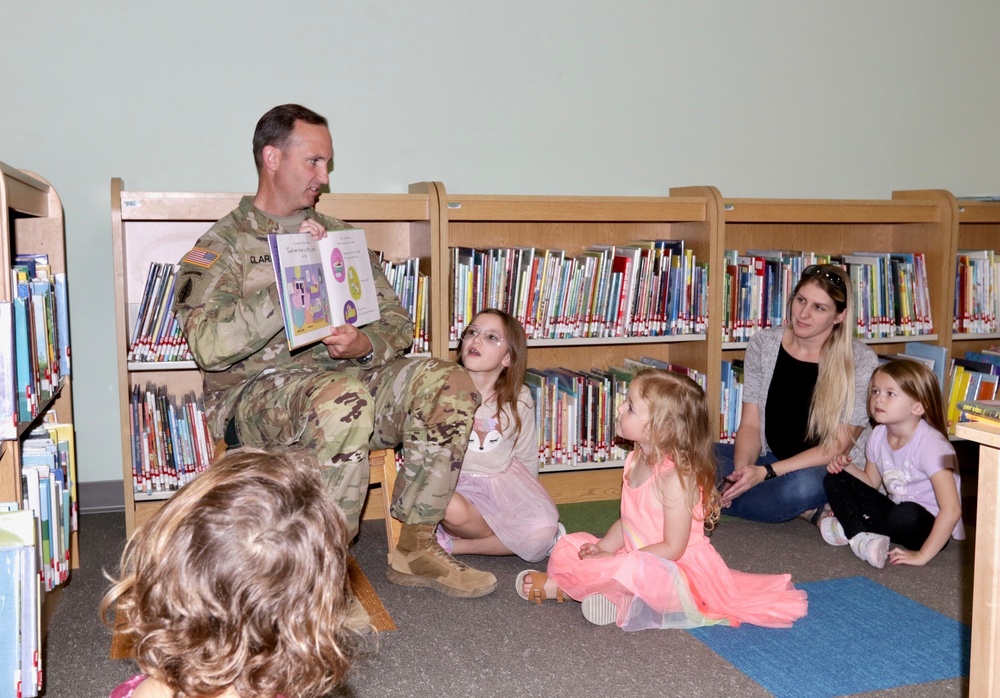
(367, 358)
(770, 471)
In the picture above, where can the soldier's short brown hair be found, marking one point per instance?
(275, 127)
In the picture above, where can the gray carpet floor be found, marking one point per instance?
(501, 645)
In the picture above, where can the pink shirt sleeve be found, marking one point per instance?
(126, 689)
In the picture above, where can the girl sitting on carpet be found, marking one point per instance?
(655, 568)
(499, 507)
(909, 453)
(237, 587)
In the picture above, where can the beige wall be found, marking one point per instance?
(778, 99)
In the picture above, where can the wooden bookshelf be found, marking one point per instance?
(31, 220)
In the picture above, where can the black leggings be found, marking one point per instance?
(861, 508)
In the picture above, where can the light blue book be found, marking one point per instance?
(8, 373)
(939, 355)
(62, 320)
(10, 621)
(17, 531)
(26, 395)
(41, 302)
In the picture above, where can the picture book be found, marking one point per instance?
(323, 283)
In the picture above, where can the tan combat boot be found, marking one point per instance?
(418, 561)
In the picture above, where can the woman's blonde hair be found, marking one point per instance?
(920, 383)
(239, 580)
(679, 428)
(833, 397)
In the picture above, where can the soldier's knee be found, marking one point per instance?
(457, 377)
(344, 399)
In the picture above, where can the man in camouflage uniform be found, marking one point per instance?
(352, 391)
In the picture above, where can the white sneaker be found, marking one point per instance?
(871, 547)
(598, 609)
(832, 531)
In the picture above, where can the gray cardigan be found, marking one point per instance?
(758, 370)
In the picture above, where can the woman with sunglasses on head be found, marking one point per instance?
(499, 507)
(805, 388)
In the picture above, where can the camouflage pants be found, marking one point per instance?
(427, 405)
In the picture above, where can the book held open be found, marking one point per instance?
(323, 283)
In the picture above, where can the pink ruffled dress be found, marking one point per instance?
(653, 592)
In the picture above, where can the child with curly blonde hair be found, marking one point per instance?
(655, 567)
(237, 587)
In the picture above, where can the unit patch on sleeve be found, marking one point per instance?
(200, 257)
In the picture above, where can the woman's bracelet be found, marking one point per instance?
(770, 471)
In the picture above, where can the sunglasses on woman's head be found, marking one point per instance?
(818, 270)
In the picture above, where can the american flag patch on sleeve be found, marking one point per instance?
(200, 257)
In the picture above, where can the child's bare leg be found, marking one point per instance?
(490, 545)
(472, 535)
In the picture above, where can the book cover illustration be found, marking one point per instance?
(323, 283)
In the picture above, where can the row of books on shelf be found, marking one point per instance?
(35, 536)
(411, 287)
(33, 354)
(977, 292)
(644, 288)
(731, 399)
(156, 332)
(575, 411)
(48, 477)
(891, 296)
(171, 442)
(974, 380)
(34, 341)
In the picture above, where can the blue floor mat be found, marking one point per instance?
(858, 636)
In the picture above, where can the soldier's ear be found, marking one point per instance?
(271, 156)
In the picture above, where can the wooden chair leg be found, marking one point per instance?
(383, 471)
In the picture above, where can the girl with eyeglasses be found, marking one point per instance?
(499, 507)
(804, 404)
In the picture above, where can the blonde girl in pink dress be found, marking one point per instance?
(655, 568)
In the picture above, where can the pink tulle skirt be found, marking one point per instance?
(517, 508)
(697, 590)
